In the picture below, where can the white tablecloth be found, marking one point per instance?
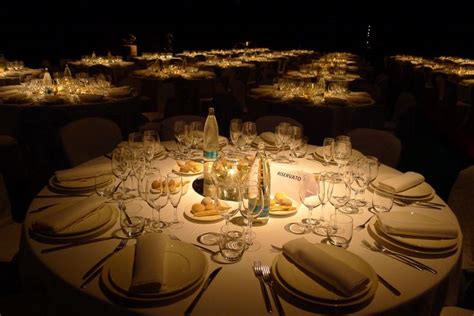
(235, 291)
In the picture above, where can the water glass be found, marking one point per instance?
(132, 221)
(231, 242)
(340, 230)
(382, 200)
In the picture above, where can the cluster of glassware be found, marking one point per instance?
(188, 136)
(101, 60)
(288, 88)
(9, 66)
(157, 55)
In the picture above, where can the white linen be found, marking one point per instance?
(64, 215)
(402, 182)
(83, 172)
(415, 224)
(315, 260)
(149, 265)
(118, 92)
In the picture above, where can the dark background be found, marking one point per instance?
(34, 31)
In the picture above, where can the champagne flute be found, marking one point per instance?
(135, 143)
(151, 146)
(252, 205)
(295, 139)
(235, 131)
(175, 187)
(249, 131)
(321, 228)
(179, 134)
(309, 196)
(121, 167)
(328, 150)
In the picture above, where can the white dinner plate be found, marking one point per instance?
(185, 268)
(428, 247)
(297, 283)
(213, 218)
(81, 184)
(91, 226)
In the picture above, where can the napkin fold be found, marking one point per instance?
(315, 260)
(149, 265)
(268, 137)
(402, 182)
(58, 218)
(83, 172)
(415, 224)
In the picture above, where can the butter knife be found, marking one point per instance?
(204, 287)
(388, 285)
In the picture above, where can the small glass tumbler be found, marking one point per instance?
(340, 230)
(131, 220)
(382, 200)
(231, 242)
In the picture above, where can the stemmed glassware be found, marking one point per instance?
(235, 131)
(188, 140)
(282, 137)
(227, 200)
(373, 167)
(356, 174)
(251, 195)
(309, 196)
(151, 145)
(197, 128)
(339, 191)
(249, 132)
(179, 134)
(295, 140)
(154, 190)
(175, 187)
(342, 152)
(121, 168)
(321, 228)
(135, 143)
(328, 150)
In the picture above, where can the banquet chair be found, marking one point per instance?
(10, 230)
(167, 125)
(269, 122)
(88, 138)
(381, 144)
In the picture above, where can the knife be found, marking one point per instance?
(388, 285)
(96, 266)
(204, 287)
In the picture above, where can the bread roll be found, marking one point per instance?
(197, 207)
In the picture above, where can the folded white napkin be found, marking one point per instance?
(415, 224)
(149, 265)
(62, 216)
(83, 172)
(316, 260)
(402, 182)
(268, 137)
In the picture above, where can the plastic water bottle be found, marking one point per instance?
(211, 137)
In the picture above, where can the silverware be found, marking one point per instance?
(203, 289)
(362, 226)
(258, 273)
(51, 249)
(268, 280)
(96, 268)
(388, 285)
(39, 209)
(416, 204)
(398, 256)
(388, 251)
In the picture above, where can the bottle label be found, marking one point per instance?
(210, 154)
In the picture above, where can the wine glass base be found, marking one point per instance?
(312, 221)
(321, 230)
(177, 224)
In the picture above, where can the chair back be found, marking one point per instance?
(461, 201)
(381, 144)
(88, 138)
(269, 122)
(167, 125)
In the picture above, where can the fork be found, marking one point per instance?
(265, 270)
(258, 273)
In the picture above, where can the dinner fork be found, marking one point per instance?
(258, 273)
(268, 280)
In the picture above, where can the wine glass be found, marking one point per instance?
(339, 191)
(235, 131)
(321, 228)
(151, 146)
(249, 131)
(179, 134)
(342, 152)
(373, 167)
(295, 139)
(175, 187)
(328, 150)
(309, 196)
(121, 167)
(227, 200)
(252, 206)
(135, 143)
(154, 191)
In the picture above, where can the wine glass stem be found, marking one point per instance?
(175, 220)
(321, 218)
(249, 231)
(310, 212)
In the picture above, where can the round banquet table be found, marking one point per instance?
(235, 290)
